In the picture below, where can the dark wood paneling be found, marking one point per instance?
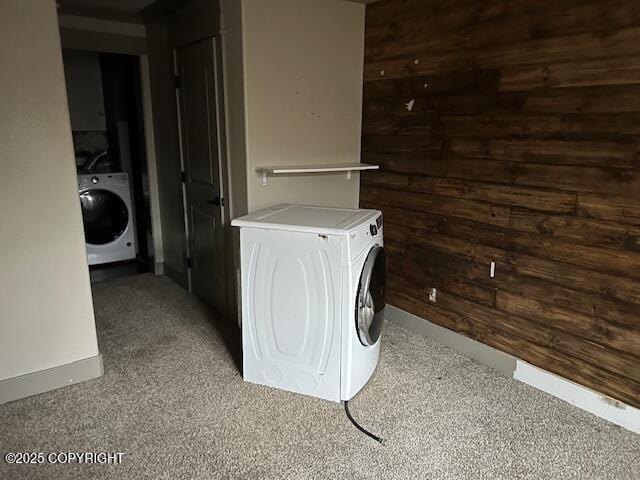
(539, 345)
(521, 147)
(578, 230)
(516, 196)
(581, 73)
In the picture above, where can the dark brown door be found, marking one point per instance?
(198, 97)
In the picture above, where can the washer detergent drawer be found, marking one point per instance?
(291, 310)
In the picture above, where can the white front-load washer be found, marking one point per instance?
(313, 298)
(107, 217)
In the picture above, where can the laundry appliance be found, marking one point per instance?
(313, 298)
(107, 217)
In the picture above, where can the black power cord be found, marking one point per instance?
(359, 427)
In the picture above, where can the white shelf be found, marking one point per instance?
(302, 169)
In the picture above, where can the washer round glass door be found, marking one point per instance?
(105, 216)
(371, 300)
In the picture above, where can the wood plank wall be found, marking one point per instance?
(522, 148)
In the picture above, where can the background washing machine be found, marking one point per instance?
(107, 217)
(313, 298)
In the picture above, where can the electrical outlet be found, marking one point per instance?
(433, 293)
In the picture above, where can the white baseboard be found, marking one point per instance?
(158, 268)
(500, 361)
(582, 397)
(50, 379)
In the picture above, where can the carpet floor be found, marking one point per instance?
(173, 401)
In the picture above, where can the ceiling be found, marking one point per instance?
(127, 7)
(125, 10)
(128, 10)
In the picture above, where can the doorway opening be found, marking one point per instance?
(105, 105)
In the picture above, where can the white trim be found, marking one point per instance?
(50, 379)
(91, 24)
(500, 361)
(152, 169)
(158, 268)
(579, 396)
(584, 398)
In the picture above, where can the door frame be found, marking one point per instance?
(223, 169)
(150, 149)
(152, 168)
(171, 24)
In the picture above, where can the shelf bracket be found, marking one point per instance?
(348, 174)
(264, 178)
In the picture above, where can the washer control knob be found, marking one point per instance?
(95, 179)
(373, 229)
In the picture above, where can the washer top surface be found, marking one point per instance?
(303, 218)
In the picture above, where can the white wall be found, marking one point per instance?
(302, 63)
(46, 311)
(293, 95)
(101, 35)
(92, 24)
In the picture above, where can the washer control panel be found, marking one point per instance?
(360, 239)
(89, 180)
(375, 227)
